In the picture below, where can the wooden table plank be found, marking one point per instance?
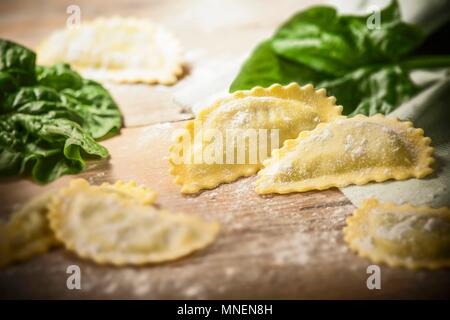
(283, 246)
(287, 246)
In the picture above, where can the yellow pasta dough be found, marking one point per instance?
(117, 49)
(400, 236)
(347, 151)
(130, 189)
(271, 114)
(27, 232)
(107, 228)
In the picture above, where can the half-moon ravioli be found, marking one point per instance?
(138, 193)
(108, 228)
(400, 236)
(269, 116)
(347, 151)
(116, 49)
(28, 232)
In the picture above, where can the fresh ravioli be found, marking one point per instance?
(111, 229)
(272, 115)
(116, 49)
(347, 151)
(28, 232)
(130, 190)
(400, 236)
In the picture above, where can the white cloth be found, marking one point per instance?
(430, 111)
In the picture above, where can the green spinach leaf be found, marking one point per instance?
(49, 117)
(371, 90)
(101, 116)
(17, 61)
(270, 69)
(334, 44)
(368, 70)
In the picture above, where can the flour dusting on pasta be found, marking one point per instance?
(116, 49)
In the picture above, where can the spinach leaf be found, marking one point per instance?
(49, 117)
(101, 116)
(99, 111)
(371, 90)
(334, 44)
(367, 70)
(271, 68)
(59, 76)
(50, 146)
(17, 61)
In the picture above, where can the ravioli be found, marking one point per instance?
(347, 151)
(261, 119)
(130, 190)
(108, 228)
(116, 49)
(27, 232)
(400, 236)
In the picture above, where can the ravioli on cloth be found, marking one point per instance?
(400, 236)
(116, 49)
(348, 151)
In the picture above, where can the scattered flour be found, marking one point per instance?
(354, 147)
(230, 272)
(193, 291)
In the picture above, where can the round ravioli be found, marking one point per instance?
(107, 228)
(347, 151)
(231, 138)
(116, 49)
(400, 236)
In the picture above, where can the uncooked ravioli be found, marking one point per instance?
(347, 151)
(400, 235)
(28, 232)
(116, 49)
(109, 228)
(287, 110)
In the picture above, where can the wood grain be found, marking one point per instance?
(284, 246)
(287, 246)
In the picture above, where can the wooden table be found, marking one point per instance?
(285, 246)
